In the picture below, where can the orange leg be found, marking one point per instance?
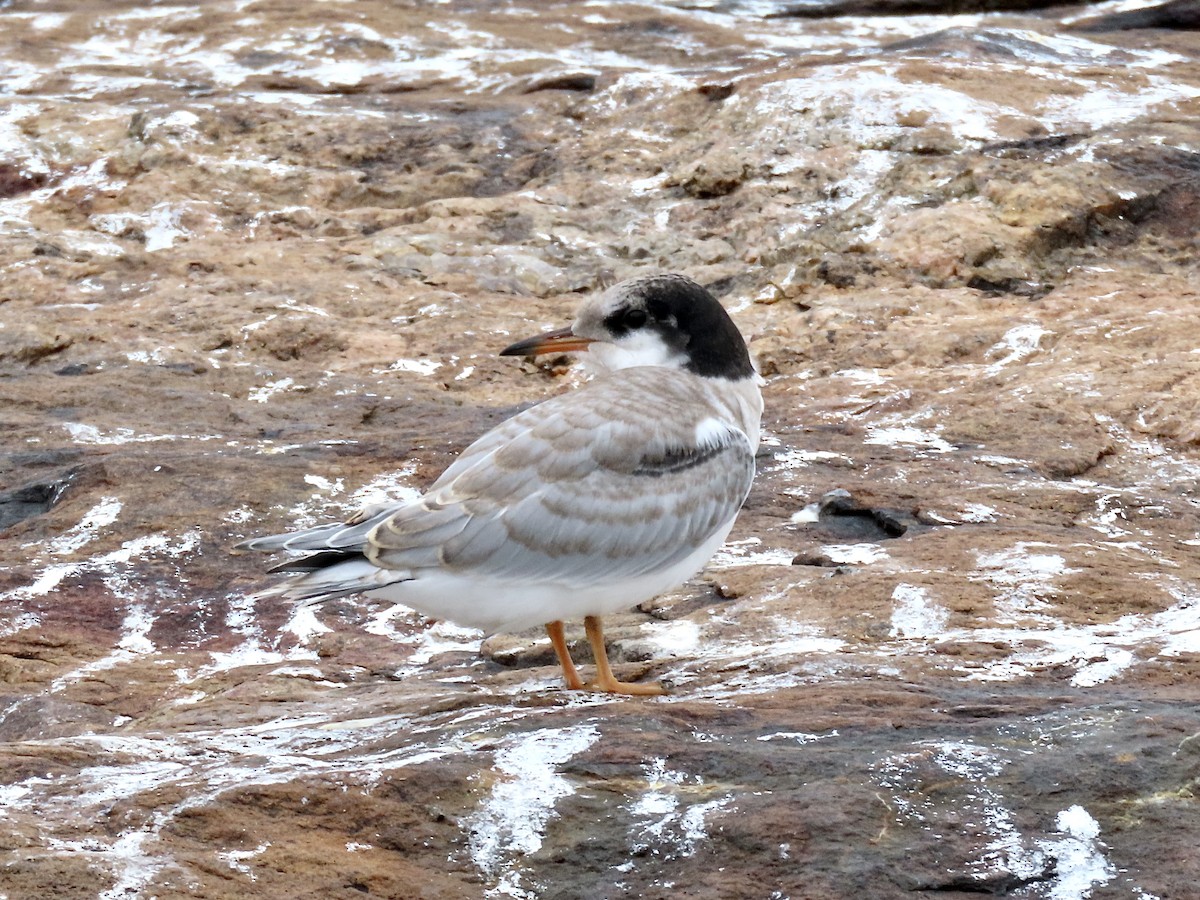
(559, 641)
(605, 681)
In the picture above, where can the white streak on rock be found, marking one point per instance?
(305, 625)
(807, 515)
(238, 516)
(1025, 578)
(737, 553)
(270, 389)
(907, 436)
(418, 366)
(1098, 653)
(99, 516)
(1017, 344)
(242, 619)
(90, 434)
(860, 554)
(977, 513)
(512, 821)
(915, 615)
(135, 867)
(798, 737)
(20, 622)
(673, 638)
(801, 459)
(441, 637)
(666, 827)
(388, 487)
(110, 563)
(789, 638)
(233, 858)
(1081, 863)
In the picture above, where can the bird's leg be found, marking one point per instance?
(605, 681)
(559, 641)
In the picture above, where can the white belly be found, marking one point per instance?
(496, 606)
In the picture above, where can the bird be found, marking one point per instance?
(586, 504)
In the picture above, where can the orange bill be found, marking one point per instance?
(562, 340)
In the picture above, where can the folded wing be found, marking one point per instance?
(608, 489)
(605, 483)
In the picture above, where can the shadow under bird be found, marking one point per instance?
(579, 507)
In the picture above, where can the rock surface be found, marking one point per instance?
(257, 262)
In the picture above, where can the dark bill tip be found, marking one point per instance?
(563, 340)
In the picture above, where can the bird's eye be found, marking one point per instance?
(635, 318)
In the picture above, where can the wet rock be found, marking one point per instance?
(531, 649)
(821, 10)
(979, 43)
(33, 499)
(30, 345)
(13, 181)
(258, 280)
(287, 338)
(814, 558)
(1175, 14)
(842, 516)
(44, 718)
(568, 81)
(713, 176)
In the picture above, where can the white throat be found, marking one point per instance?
(640, 348)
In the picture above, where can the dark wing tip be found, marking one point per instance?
(314, 562)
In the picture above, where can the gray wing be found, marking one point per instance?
(602, 483)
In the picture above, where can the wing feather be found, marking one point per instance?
(350, 535)
(625, 476)
(598, 490)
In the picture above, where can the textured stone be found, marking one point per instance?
(260, 277)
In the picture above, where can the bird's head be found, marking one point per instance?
(655, 320)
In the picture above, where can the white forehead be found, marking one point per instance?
(592, 313)
(598, 306)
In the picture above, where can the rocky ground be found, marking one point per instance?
(257, 260)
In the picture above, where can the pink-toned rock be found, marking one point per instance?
(257, 263)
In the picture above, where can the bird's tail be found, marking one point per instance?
(334, 565)
(330, 574)
(347, 537)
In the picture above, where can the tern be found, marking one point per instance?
(586, 504)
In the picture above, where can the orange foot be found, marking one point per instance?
(605, 680)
